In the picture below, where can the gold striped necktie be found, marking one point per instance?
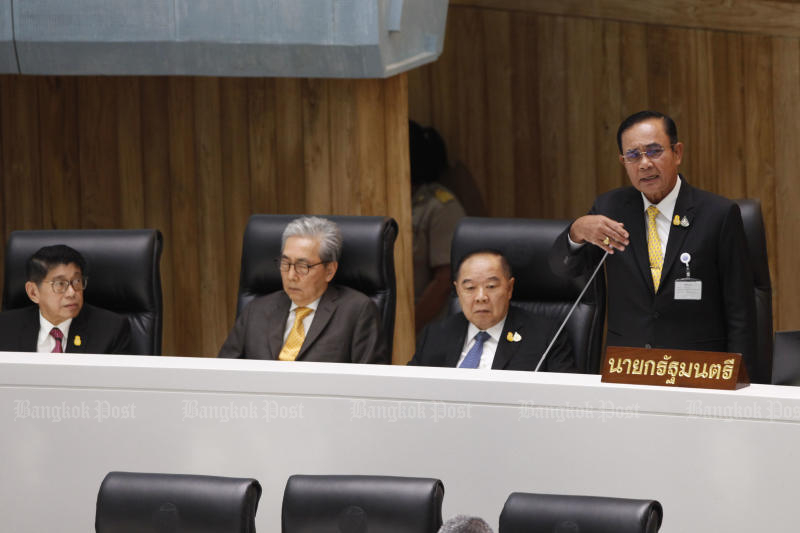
(296, 336)
(654, 246)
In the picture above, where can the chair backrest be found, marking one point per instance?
(525, 512)
(124, 273)
(356, 504)
(786, 358)
(132, 502)
(366, 263)
(757, 247)
(526, 244)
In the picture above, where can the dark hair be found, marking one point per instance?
(504, 264)
(427, 152)
(669, 125)
(49, 257)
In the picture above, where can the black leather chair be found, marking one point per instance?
(124, 273)
(786, 358)
(361, 504)
(757, 247)
(526, 243)
(131, 502)
(366, 263)
(552, 513)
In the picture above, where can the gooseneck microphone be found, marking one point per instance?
(564, 323)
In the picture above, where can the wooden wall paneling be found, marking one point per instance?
(759, 141)
(607, 85)
(369, 145)
(129, 148)
(501, 178)
(316, 146)
(471, 113)
(704, 163)
(771, 17)
(290, 168)
(420, 95)
(211, 223)
(729, 123)
(262, 136)
(553, 108)
(445, 85)
(580, 162)
(98, 152)
(634, 68)
(235, 182)
(786, 108)
(184, 211)
(61, 184)
(661, 60)
(22, 186)
(398, 203)
(157, 193)
(344, 162)
(526, 130)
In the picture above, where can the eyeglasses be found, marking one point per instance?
(60, 285)
(653, 151)
(300, 267)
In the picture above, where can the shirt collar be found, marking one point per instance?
(313, 305)
(45, 326)
(494, 332)
(666, 206)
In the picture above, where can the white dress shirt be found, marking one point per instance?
(306, 321)
(489, 345)
(46, 342)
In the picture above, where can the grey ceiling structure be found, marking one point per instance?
(264, 38)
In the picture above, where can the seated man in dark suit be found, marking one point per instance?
(60, 321)
(489, 332)
(342, 324)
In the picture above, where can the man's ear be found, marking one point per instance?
(330, 270)
(33, 291)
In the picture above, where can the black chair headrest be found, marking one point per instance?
(362, 503)
(166, 503)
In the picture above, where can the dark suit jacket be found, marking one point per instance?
(100, 331)
(345, 329)
(724, 320)
(441, 343)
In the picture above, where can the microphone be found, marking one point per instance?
(564, 323)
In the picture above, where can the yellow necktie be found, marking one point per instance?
(654, 246)
(296, 336)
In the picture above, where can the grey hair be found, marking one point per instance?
(465, 524)
(321, 229)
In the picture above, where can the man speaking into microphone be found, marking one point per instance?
(678, 271)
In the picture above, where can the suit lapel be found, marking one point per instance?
(633, 219)
(454, 344)
(323, 314)
(76, 341)
(29, 332)
(506, 350)
(275, 325)
(684, 207)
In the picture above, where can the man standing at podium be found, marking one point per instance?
(678, 270)
(61, 322)
(310, 319)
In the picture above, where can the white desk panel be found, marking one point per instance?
(716, 460)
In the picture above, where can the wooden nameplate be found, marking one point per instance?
(674, 368)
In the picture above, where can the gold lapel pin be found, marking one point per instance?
(676, 221)
(77, 340)
(513, 337)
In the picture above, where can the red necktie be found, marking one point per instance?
(57, 335)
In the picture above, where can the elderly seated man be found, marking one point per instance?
(310, 319)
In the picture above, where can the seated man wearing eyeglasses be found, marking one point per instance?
(310, 319)
(60, 321)
(679, 276)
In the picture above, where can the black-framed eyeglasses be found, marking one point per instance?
(652, 151)
(300, 267)
(60, 285)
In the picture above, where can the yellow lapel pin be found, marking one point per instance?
(77, 340)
